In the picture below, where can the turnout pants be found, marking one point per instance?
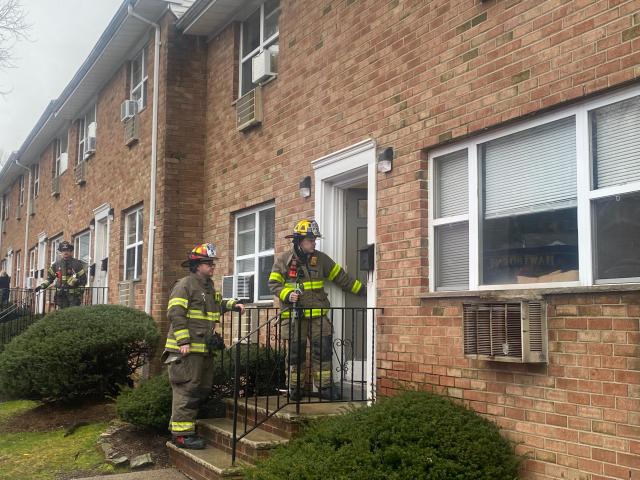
(318, 332)
(191, 380)
(64, 300)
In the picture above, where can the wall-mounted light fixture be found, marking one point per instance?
(92, 224)
(111, 212)
(305, 187)
(385, 160)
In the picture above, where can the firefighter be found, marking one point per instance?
(194, 310)
(297, 279)
(68, 276)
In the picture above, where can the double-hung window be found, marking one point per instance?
(552, 202)
(53, 249)
(259, 33)
(33, 262)
(254, 242)
(21, 190)
(138, 79)
(5, 206)
(60, 154)
(133, 244)
(35, 172)
(81, 246)
(18, 275)
(86, 135)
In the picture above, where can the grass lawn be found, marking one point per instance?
(47, 455)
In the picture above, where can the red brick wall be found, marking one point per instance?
(414, 75)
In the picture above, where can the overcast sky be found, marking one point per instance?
(63, 33)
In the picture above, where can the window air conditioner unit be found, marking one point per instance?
(128, 109)
(506, 331)
(91, 140)
(4, 226)
(249, 109)
(55, 186)
(32, 207)
(18, 212)
(130, 131)
(243, 287)
(264, 66)
(80, 173)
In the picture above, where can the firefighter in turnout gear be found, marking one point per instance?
(68, 276)
(194, 309)
(297, 279)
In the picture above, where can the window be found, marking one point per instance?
(82, 247)
(139, 79)
(21, 189)
(60, 147)
(5, 206)
(53, 245)
(254, 241)
(86, 135)
(18, 269)
(33, 259)
(133, 244)
(259, 32)
(553, 202)
(35, 173)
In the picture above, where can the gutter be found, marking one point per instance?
(154, 160)
(25, 252)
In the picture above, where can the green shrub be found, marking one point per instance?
(148, 405)
(413, 436)
(76, 353)
(261, 372)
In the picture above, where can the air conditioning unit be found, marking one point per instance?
(32, 207)
(264, 66)
(4, 226)
(18, 212)
(506, 331)
(128, 109)
(130, 131)
(80, 173)
(249, 109)
(238, 286)
(55, 186)
(91, 140)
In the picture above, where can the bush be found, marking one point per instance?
(77, 353)
(413, 436)
(148, 405)
(261, 372)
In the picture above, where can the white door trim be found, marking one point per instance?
(334, 173)
(102, 214)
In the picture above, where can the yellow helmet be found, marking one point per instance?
(305, 228)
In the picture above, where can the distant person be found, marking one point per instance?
(5, 283)
(68, 276)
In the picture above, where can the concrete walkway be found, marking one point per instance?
(165, 474)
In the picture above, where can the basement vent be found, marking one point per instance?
(506, 332)
(249, 109)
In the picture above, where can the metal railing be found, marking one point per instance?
(296, 356)
(20, 307)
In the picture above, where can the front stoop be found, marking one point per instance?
(214, 463)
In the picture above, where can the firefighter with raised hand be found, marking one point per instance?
(68, 276)
(194, 310)
(297, 279)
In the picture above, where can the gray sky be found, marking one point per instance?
(63, 33)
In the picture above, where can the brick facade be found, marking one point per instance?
(407, 74)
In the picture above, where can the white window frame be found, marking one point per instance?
(21, 190)
(139, 87)
(273, 40)
(18, 281)
(54, 243)
(5, 206)
(58, 152)
(83, 133)
(76, 246)
(132, 246)
(33, 262)
(256, 255)
(585, 194)
(36, 180)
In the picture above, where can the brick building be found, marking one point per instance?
(489, 150)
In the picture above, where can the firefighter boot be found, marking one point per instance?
(192, 442)
(296, 383)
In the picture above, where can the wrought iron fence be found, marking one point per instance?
(296, 356)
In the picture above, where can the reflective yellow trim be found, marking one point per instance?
(322, 375)
(307, 312)
(182, 426)
(285, 293)
(180, 302)
(334, 272)
(230, 304)
(195, 347)
(356, 286)
(276, 276)
(181, 334)
(199, 315)
(313, 285)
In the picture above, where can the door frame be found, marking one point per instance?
(102, 214)
(333, 174)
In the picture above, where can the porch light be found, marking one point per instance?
(385, 160)
(305, 187)
(92, 224)
(111, 212)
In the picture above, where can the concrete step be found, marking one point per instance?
(208, 464)
(254, 446)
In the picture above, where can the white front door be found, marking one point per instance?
(345, 193)
(101, 278)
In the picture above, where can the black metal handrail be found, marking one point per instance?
(336, 342)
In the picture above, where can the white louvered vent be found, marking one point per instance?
(249, 109)
(506, 332)
(240, 287)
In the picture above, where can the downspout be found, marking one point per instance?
(25, 253)
(154, 160)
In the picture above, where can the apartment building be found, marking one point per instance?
(485, 151)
